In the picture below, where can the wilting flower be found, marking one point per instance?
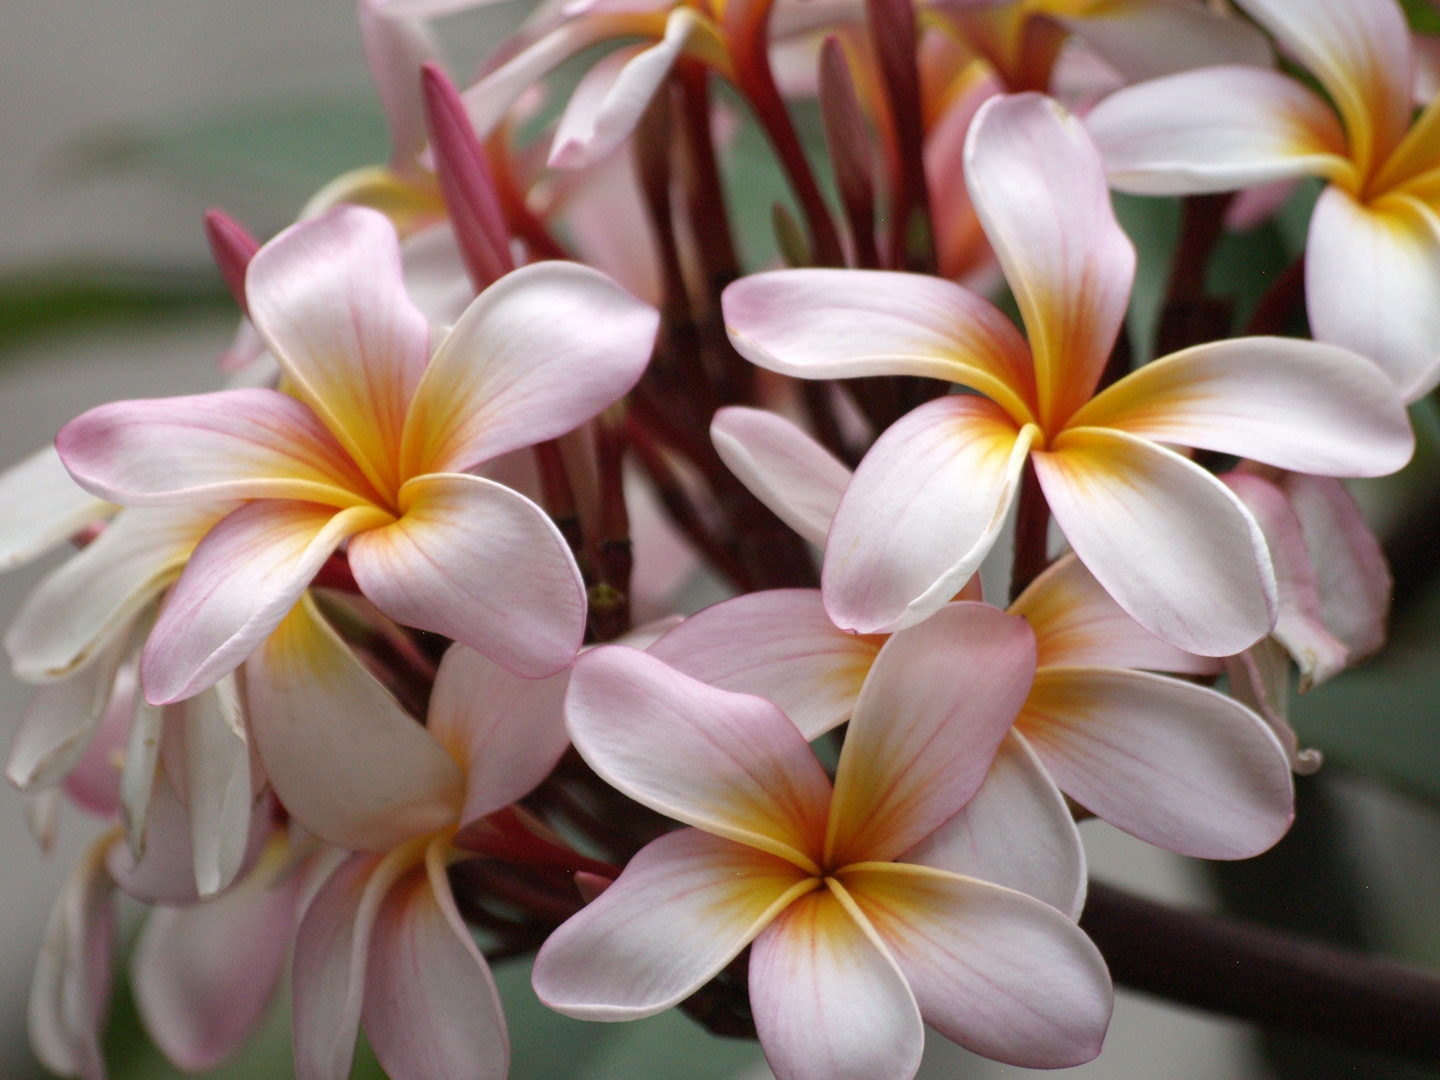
(1372, 258)
(373, 447)
(854, 938)
(1333, 590)
(1168, 541)
(1176, 764)
(78, 636)
(383, 941)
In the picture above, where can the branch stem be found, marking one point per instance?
(1269, 978)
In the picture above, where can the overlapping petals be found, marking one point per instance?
(1175, 548)
(371, 449)
(1374, 240)
(1173, 763)
(781, 859)
(383, 941)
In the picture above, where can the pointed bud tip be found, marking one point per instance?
(232, 247)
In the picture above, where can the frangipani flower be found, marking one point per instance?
(1168, 541)
(383, 942)
(1372, 258)
(855, 935)
(1176, 764)
(374, 446)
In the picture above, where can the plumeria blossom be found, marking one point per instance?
(1176, 764)
(1174, 546)
(1372, 263)
(373, 446)
(382, 942)
(855, 935)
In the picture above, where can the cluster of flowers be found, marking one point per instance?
(322, 661)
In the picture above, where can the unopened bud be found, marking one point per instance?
(233, 248)
(465, 181)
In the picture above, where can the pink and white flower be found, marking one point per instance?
(1175, 764)
(1174, 547)
(373, 445)
(858, 929)
(382, 942)
(1372, 263)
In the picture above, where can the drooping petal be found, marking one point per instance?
(1145, 39)
(828, 1003)
(682, 909)
(93, 785)
(328, 295)
(1359, 50)
(538, 353)
(58, 722)
(349, 764)
(70, 991)
(840, 324)
(165, 874)
(94, 595)
(332, 952)
(1037, 183)
(490, 99)
(926, 726)
(608, 102)
(431, 1010)
(779, 645)
(242, 579)
(507, 732)
(204, 975)
(218, 794)
(925, 506)
(783, 467)
(1289, 403)
(1260, 678)
(1372, 284)
(1299, 623)
(1350, 569)
(1077, 623)
(396, 47)
(43, 506)
(251, 443)
(1015, 831)
(477, 562)
(1174, 546)
(730, 764)
(1178, 765)
(996, 971)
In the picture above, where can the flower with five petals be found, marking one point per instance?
(1174, 547)
(373, 444)
(853, 937)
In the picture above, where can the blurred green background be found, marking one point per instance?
(124, 122)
